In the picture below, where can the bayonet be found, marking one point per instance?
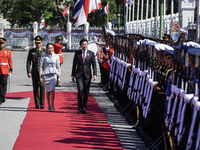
(154, 65)
(182, 57)
(196, 60)
(179, 54)
(186, 59)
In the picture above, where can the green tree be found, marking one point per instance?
(94, 17)
(22, 12)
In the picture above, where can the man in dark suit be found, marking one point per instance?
(33, 58)
(81, 70)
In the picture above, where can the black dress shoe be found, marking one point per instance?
(41, 106)
(79, 111)
(84, 111)
(37, 106)
(3, 100)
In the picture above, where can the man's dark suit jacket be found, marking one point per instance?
(79, 67)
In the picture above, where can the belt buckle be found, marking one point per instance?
(1, 63)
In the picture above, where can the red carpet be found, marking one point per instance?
(65, 129)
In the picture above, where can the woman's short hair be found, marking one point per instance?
(48, 44)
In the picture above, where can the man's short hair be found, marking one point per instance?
(83, 40)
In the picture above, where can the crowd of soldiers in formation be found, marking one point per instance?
(155, 85)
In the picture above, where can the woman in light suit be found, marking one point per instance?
(49, 70)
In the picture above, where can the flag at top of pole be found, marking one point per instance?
(128, 1)
(105, 10)
(66, 11)
(82, 8)
(42, 24)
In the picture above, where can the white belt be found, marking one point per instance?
(177, 91)
(195, 110)
(187, 99)
(1, 64)
(59, 54)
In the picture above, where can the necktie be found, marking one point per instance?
(84, 56)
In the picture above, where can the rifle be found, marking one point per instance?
(127, 51)
(151, 62)
(154, 63)
(123, 48)
(120, 48)
(196, 73)
(116, 46)
(187, 73)
(103, 25)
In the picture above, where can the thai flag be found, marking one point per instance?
(128, 1)
(32, 24)
(66, 12)
(82, 8)
(42, 24)
(105, 10)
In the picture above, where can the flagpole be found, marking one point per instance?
(107, 16)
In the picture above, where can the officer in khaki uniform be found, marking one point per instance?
(33, 71)
(5, 68)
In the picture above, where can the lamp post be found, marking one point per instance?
(118, 15)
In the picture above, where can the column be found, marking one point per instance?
(138, 7)
(141, 20)
(147, 6)
(198, 22)
(1, 29)
(164, 13)
(86, 30)
(151, 18)
(129, 19)
(187, 11)
(35, 30)
(69, 30)
(109, 25)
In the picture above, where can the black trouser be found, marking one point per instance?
(83, 85)
(39, 99)
(3, 86)
(101, 71)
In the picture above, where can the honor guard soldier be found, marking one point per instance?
(58, 49)
(5, 68)
(32, 66)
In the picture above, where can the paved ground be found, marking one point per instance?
(13, 111)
